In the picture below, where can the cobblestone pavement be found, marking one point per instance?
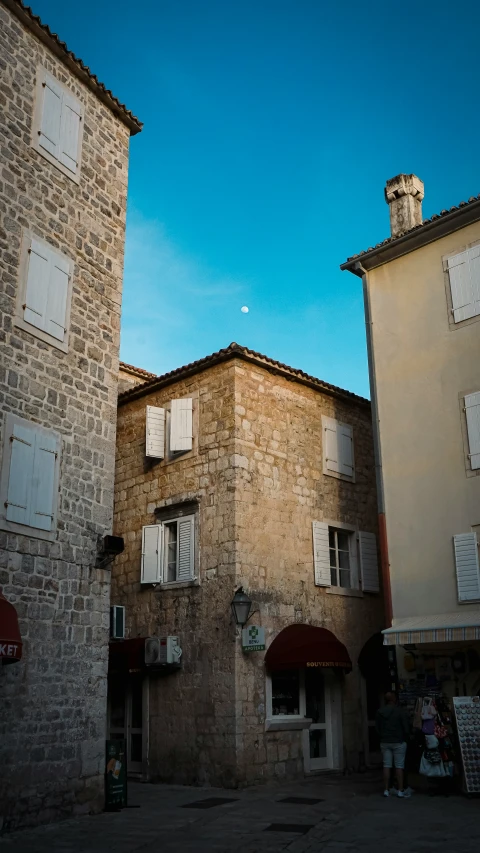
(352, 817)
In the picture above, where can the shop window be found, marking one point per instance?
(286, 693)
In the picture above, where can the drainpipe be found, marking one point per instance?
(382, 526)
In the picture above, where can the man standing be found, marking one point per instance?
(393, 728)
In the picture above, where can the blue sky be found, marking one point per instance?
(271, 127)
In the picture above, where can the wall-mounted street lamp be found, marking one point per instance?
(241, 606)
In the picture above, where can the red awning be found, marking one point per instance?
(10, 639)
(126, 655)
(305, 646)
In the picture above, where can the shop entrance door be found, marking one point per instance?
(318, 739)
(126, 718)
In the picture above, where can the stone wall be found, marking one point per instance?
(53, 703)
(256, 472)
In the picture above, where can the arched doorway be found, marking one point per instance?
(305, 667)
(376, 680)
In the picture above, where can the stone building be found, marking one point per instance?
(129, 376)
(63, 188)
(238, 471)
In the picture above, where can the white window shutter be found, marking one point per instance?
(466, 563)
(186, 527)
(181, 425)
(155, 432)
(43, 482)
(345, 450)
(50, 122)
(472, 412)
(37, 285)
(56, 309)
(151, 553)
(321, 554)
(331, 446)
(368, 562)
(464, 275)
(70, 132)
(19, 490)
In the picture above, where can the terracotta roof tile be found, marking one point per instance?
(25, 14)
(417, 228)
(237, 351)
(136, 371)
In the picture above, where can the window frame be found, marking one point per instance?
(41, 77)
(19, 321)
(285, 718)
(355, 588)
(163, 563)
(12, 526)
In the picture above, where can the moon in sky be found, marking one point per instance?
(244, 309)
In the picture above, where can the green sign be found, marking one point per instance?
(253, 639)
(116, 775)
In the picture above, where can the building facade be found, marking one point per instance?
(422, 302)
(129, 376)
(239, 472)
(65, 141)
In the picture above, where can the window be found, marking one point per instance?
(29, 479)
(339, 543)
(286, 693)
(466, 564)
(44, 293)
(168, 551)
(169, 432)
(338, 458)
(472, 414)
(464, 277)
(57, 125)
(337, 552)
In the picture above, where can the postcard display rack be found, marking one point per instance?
(467, 716)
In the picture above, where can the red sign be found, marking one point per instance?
(10, 639)
(13, 651)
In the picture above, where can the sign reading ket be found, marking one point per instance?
(253, 639)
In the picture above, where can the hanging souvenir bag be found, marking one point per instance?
(440, 730)
(417, 714)
(429, 711)
(433, 756)
(428, 726)
(431, 742)
(431, 769)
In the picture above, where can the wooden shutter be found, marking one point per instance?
(37, 285)
(345, 450)
(472, 412)
(50, 122)
(43, 481)
(181, 425)
(70, 132)
(321, 554)
(19, 489)
(368, 562)
(466, 563)
(464, 275)
(186, 535)
(56, 311)
(331, 449)
(151, 553)
(155, 432)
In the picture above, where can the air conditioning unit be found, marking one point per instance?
(162, 650)
(117, 622)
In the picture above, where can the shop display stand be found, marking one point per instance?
(467, 718)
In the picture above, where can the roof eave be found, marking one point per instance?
(41, 31)
(412, 240)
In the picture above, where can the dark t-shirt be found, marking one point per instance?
(392, 724)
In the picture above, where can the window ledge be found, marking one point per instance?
(338, 590)
(285, 725)
(179, 584)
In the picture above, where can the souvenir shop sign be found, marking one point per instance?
(467, 714)
(253, 639)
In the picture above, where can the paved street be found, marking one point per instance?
(351, 817)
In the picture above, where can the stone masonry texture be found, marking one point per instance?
(53, 703)
(255, 471)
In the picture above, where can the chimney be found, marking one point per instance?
(404, 196)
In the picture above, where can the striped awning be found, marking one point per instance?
(441, 628)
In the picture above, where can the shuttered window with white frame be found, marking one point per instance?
(45, 291)
(29, 480)
(181, 425)
(151, 568)
(155, 432)
(472, 415)
(464, 275)
(321, 553)
(367, 546)
(57, 131)
(466, 565)
(338, 455)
